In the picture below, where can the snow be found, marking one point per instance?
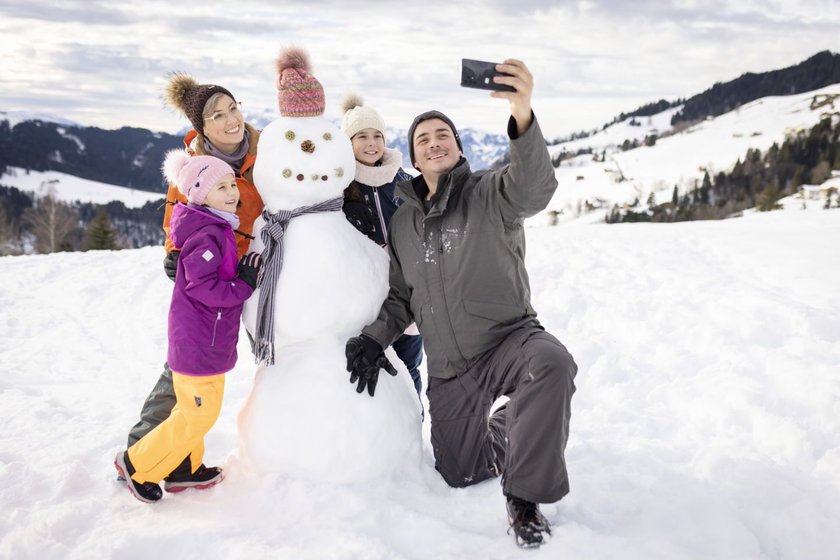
(706, 422)
(69, 188)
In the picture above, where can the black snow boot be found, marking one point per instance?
(148, 492)
(529, 526)
(203, 477)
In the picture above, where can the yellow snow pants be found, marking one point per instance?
(198, 403)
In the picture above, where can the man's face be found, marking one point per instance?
(435, 148)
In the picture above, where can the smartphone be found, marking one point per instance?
(479, 74)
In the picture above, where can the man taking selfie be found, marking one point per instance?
(457, 268)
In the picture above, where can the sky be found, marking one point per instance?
(105, 63)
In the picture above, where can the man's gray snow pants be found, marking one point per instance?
(525, 439)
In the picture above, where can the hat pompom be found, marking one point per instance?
(176, 90)
(173, 164)
(350, 101)
(293, 57)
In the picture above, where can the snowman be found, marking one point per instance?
(322, 281)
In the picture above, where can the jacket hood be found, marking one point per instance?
(187, 219)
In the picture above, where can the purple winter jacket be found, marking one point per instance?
(207, 299)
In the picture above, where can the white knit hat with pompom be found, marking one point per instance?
(358, 117)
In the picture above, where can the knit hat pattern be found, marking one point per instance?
(425, 117)
(357, 117)
(299, 93)
(194, 175)
(186, 95)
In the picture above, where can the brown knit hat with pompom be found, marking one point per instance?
(186, 95)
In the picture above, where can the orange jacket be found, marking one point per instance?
(250, 202)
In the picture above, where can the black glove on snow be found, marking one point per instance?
(249, 268)
(170, 264)
(364, 360)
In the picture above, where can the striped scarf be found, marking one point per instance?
(272, 237)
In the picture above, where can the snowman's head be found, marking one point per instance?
(302, 161)
(302, 158)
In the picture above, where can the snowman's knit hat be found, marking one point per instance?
(299, 93)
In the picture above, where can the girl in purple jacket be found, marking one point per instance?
(210, 288)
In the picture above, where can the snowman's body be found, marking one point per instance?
(303, 418)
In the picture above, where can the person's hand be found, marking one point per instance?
(249, 268)
(520, 101)
(170, 264)
(364, 360)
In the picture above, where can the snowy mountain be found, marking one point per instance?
(69, 188)
(481, 149)
(705, 423)
(607, 174)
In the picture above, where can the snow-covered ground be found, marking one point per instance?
(69, 188)
(706, 422)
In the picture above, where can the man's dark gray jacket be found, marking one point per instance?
(459, 271)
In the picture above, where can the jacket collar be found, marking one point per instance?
(415, 190)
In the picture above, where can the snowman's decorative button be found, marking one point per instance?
(339, 172)
(299, 177)
(324, 177)
(314, 176)
(287, 173)
(327, 136)
(290, 135)
(307, 146)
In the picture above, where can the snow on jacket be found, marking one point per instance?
(459, 270)
(377, 201)
(250, 202)
(207, 298)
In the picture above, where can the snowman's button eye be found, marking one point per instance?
(299, 177)
(307, 146)
(324, 177)
(287, 173)
(339, 172)
(290, 135)
(327, 136)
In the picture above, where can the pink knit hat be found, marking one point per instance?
(194, 175)
(298, 92)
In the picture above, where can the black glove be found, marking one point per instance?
(170, 264)
(364, 360)
(249, 268)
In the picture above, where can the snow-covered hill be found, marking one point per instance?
(681, 158)
(68, 188)
(705, 423)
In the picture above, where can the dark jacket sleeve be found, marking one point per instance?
(200, 260)
(526, 185)
(395, 314)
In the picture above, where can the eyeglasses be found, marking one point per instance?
(220, 117)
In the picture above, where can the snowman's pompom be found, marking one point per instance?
(173, 163)
(293, 57)
(177, 88)
(350, 101)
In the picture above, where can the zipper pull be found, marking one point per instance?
(219, 315)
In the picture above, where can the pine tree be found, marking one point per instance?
(769, 198)
(101, 235)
